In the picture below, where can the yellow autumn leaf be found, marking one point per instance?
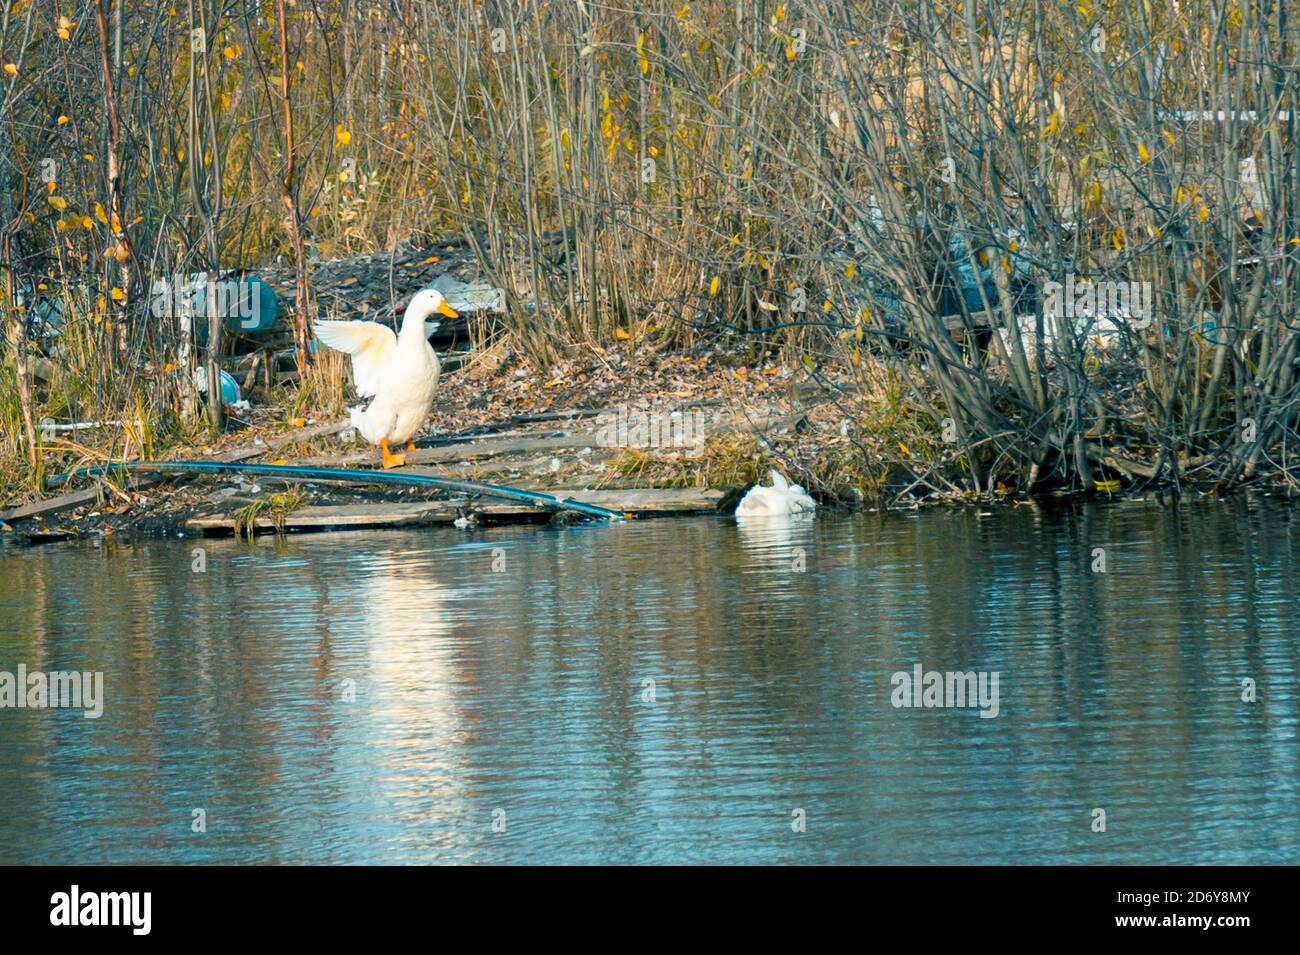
(62, 120)
(11, 69)
(117, 294)
(1144, 154)
(58, 202)
(100, 214)
(621, 334)
(850, 270)
(230, 52)
(429, 261)
(714, 285)
(1117, 239)
(342, 135)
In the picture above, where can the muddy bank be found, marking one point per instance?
(626, 426)
(639, 432)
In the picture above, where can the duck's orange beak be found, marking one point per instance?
(445, 309)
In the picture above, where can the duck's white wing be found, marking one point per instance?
(371, 346)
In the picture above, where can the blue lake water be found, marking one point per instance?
(443, 696)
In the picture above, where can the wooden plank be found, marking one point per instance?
(484, 470)
(90, 495)
(648, 500)
(638, 502)
(468, 451)
(341, 516)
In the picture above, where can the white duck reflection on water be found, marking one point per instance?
(773, 519)
(408, 623)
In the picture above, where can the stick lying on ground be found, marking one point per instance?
(536, 498)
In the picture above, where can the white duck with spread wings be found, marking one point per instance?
(395, 374)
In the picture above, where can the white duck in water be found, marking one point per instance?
(781, 499)
(395, 375)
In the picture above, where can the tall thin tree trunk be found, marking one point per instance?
(289, 196)
(18, 338)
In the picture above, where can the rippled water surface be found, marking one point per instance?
(400, 697)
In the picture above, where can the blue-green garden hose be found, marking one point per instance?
(340, 475)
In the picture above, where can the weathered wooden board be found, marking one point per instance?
(341, 516)
(648, 500)
(643, 502)
(532, 467)
(466, 451)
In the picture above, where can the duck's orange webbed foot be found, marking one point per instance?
(410, 445)
(390, 460)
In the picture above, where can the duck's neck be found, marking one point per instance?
(412, 325)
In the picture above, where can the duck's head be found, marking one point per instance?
(428, 302)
